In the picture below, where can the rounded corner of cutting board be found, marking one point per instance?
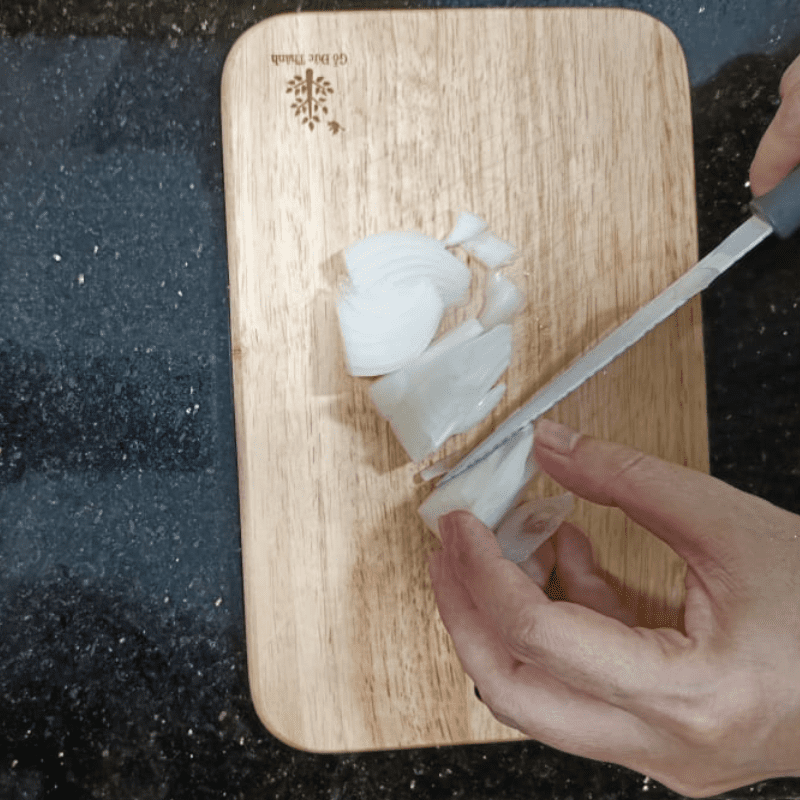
(261, 706)
(659, 27)
(243, 41)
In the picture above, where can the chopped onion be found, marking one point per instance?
(388, 392)
(490, 249)
(437, 396)
(467, 227)
(503, 301)
(437, 469)
(490, 488)
(528, 527)
(482, 409)
(399, 257)
(386, 327)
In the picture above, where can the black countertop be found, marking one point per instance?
(122, 653)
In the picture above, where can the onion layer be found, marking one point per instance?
(490, 488)
(525, 529)
(445, 393)
(384, 328)
(503, 301)
(467, 226)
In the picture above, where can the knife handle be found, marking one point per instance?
(780, 207)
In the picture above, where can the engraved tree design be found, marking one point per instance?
(310, 99)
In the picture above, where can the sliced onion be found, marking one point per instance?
(387, 392)
(467, 227)
(438, 468)
(490, 249)
(384, 328)
(482, 409)
(503, 301)
(399, 257)
(525, 529)
(446, 390)
(490, 488)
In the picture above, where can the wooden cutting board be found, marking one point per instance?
(569, 131)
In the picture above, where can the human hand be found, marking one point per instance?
(704, 709)
(779, 150)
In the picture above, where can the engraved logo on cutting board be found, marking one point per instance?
(311, 93)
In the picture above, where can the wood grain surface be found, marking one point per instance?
(569, 131)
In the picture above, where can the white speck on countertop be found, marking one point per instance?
(56, 257)
(81, 279)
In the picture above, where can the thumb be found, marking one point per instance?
(698, 516)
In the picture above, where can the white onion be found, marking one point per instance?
(482, 409)
(443, 391)
(490, 488)
(467, 227)
(399, 257)
(490, 249)
(384, 328)
(526, 528)
(387, 392)
(503, 301)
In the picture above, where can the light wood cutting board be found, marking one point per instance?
(570, 132)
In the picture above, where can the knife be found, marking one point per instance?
(777, 212)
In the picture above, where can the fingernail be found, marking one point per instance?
(555, 436)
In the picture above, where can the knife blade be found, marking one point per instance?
(776, 212)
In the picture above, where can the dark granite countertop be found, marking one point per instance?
(122, 653)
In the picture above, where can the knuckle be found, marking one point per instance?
(522, 631)
(634, 470)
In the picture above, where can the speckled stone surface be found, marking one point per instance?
(122, 653)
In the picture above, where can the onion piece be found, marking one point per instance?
(467, 227)
(503, 301)
(388, 392)
(490, 249)
(446, 390)
(490, 488)
(482, 409)
(397, 257)
(384, 328)
(526, 528)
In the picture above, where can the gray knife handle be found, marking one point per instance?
(781, 207)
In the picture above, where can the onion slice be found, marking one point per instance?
(526, 528)
(389, 391)
(467, 226)
(397, 257)
(490, 488)
(490, 249)
(503, 301)
(435, 398)
(385, 328)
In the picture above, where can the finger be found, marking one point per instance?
(778, 151)
(709, 523)
(581, 579)
(790, 78)
(479, 648)
(527, 699)
(538, 566)
(587, 651)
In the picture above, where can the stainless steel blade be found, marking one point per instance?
(699, 277)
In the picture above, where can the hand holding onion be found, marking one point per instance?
(712, 706)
